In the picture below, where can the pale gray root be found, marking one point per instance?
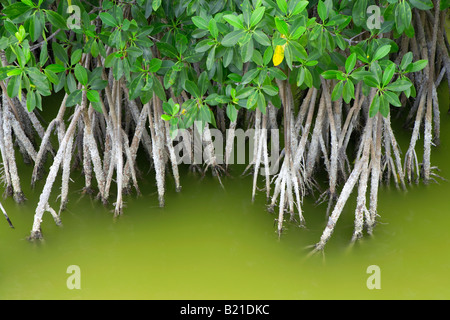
(361, 207)
(145, 137)
(411, 161)
(303, 110)
(375, 172)
(230, 142)
(210, 156)
(66, 176)
(39, 162)
(333, 166)
(257, 156)
(94, 154)
(289, 180)
(429, 109)
(157, 159)
(396, 149)
(129, 159)
(45, 195)
(173, 158)
(5, 177)
(251, 164)
(45, 145)
(87, 164)
(300, 152)
(18, 195)
(22, 138)
(134, 146)
(266, 156)
(272, 111)
(314, 146)
(119, 153)
(282, 200)
(347, 189)
(33, 119)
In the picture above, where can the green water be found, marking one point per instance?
(208, 243)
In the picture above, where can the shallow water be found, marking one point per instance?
(210, 243)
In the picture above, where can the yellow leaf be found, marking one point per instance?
(278, 55)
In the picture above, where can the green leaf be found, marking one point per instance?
(257, 15)
(51, 76)
(211, 58)
(205, 114)
(81, 74)
(200, 22)
(406, 60)
(392, 98)
(261, 38)
(403, 16)
(15, 10)
(56, 68)
(154, 65)
(14, 72)
(296, 7)
(108, 19)
(231, 112)
(252, 99)
(422, 4)
(74, 98)
(374, 106)
(31, 101)
(14, 86)
(212, 26)
(247, 51)
(93, 96)
(232, 38)
(371, 81)
(270, 90)
(76, 56)
(359, 12)
(56, 19)
(277, 73)
(136, 86)
(399, 85)
(350, 63)
(337, 91)
(249, 76)
(261, 102)
(282, 26)
(60, 53)
(235, 21)
(332, 74)
(388, 73)
(282, 5)
(166, 117)
(95, 49)
(322, 10)
(228, 57)
(417, 66)
(192, 88)
(159, 89)
(167, 49)
(381, 52)
(348, 92)
(203, 83)
(384, 106)
(156, 4)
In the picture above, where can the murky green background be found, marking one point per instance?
(210, 243)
